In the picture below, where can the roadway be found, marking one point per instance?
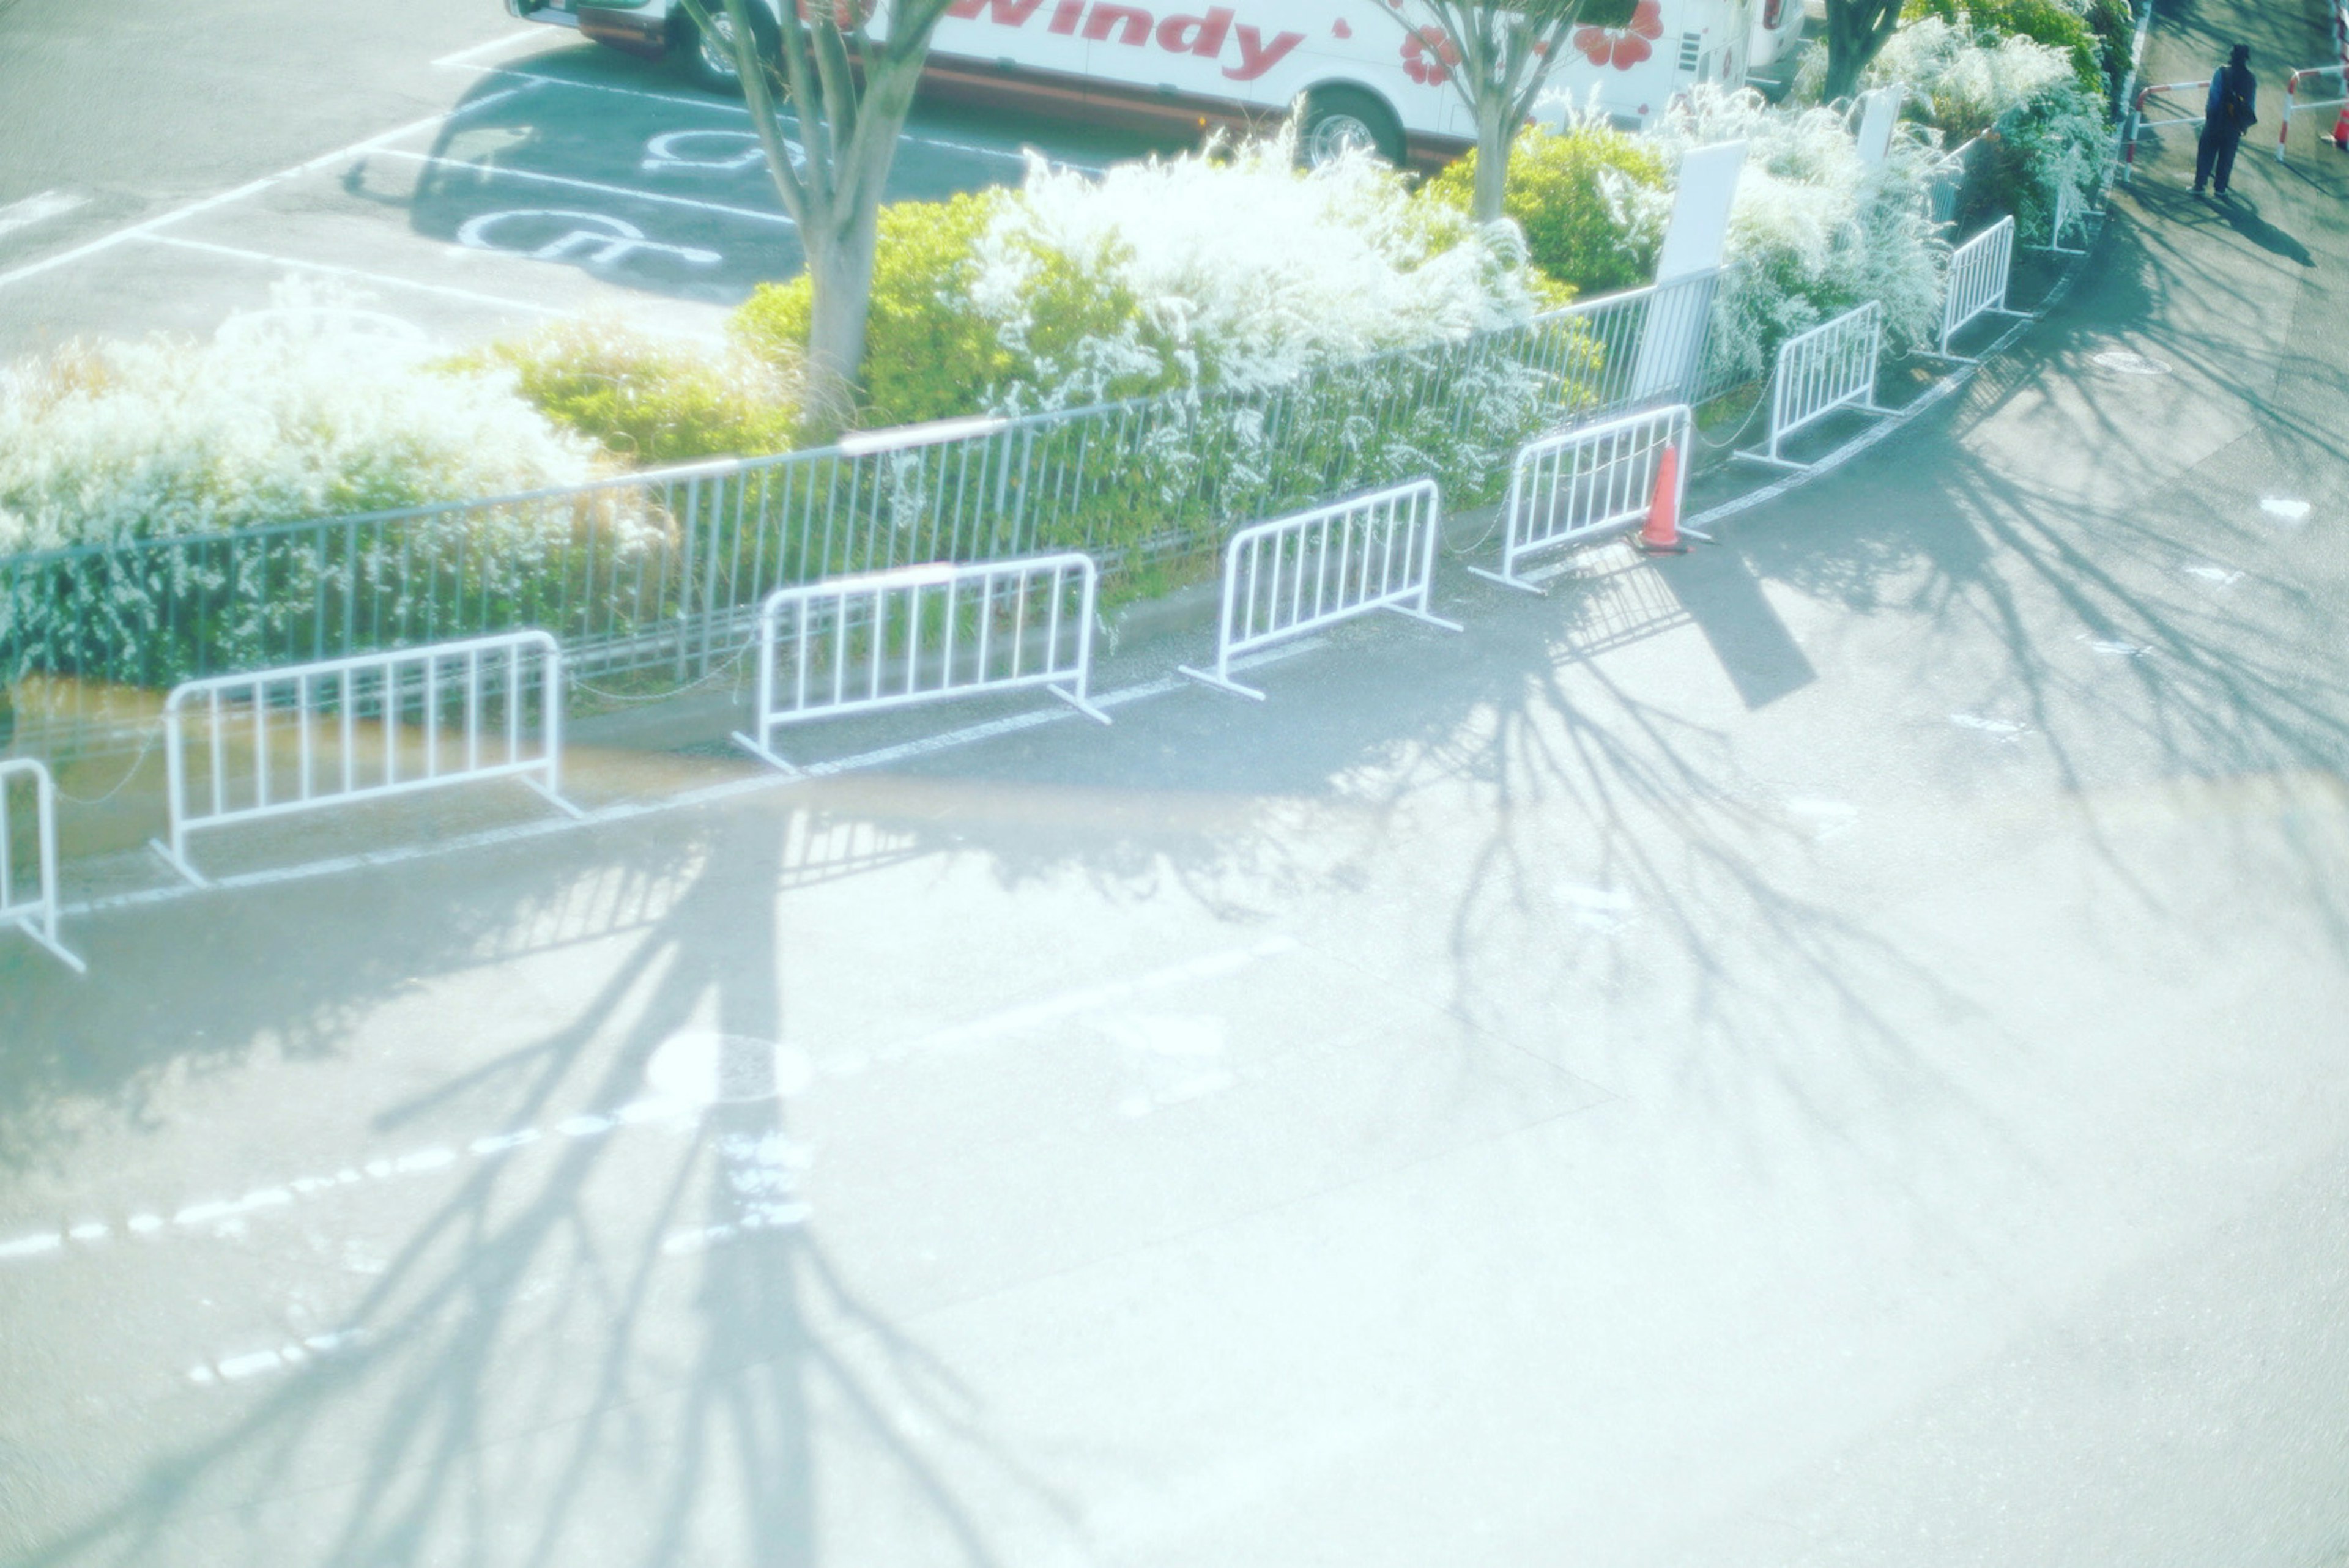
(1824, 1050)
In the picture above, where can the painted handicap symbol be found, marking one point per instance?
(674, 149)
(592, 238)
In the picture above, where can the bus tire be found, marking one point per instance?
(1339, 118)
(709, 62)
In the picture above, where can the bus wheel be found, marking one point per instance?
(1339, 120)
(709, 57)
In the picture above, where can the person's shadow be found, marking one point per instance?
(2244, 219)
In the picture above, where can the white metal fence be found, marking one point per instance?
(35, 912)
(273, 743)
(924, 633)
(1584, 482)
(1833, 365)
(1978, 278)
(2147, 113)
(1296, 575)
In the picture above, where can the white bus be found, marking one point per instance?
(1364, 78)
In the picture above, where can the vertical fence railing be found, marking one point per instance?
(28, 868)
(305, 738)
(1585, 483)
(923, 634)
(1293, 575)
(1979, 270)
(1833, 365)
(663, 573)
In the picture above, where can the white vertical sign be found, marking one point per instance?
(1670, 347)
(1879, 111)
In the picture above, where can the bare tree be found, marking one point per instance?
(849, 88)
(1856, 29)
(1498, 58)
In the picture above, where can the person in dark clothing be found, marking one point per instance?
(2233, 110)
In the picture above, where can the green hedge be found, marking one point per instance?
(1557, 195)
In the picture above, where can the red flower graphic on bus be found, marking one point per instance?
(1623, 47)
(1428, 55)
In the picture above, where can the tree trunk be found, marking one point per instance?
(1496, 137)
(842, 268)
(1856, 29)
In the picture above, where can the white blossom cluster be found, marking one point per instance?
(1246, 271)
(306, 409)
(1814, 231)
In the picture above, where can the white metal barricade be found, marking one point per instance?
(302, 737)
(35, 914)
(1978, 277)
(2314, 79)
(1296, 575)
(1586, 482)
(924, 633)
(1833, 365)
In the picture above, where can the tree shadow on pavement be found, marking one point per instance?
(603, 1345)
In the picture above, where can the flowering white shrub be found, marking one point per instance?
(1244, 273)
(2051, 131)
(303, 411)
(1814, 232)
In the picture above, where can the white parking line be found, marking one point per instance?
(37, 209)
(238, 253)
(502, 41)
(495, 171)
(252, 188)
(721, 106)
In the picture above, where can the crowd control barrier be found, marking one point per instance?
(35, 914)
(924, 633)
(2312, 80)
(1978, 276)
(1831, 366)
(1584, 482)
(274, 743)
(1293, 575)
(2145, 115)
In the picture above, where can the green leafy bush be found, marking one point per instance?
(928, 354)
(1572, 196)
(650, 399)
(2056, 23)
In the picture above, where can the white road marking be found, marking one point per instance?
(502, 41)
(2291, 513)
(1997, 726)
(616, 240)
(32, 1246)
(37, 209)
(387, 279)
(1605, 910)
(283, 1358)
(2111, 649)
(377, 143)
(721, 107)
(501, 171)
(1830, 818)
(2218, 575)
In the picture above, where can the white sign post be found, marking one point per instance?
(1880, 112)
(1669, 349)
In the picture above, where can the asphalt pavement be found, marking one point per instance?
(1824, 1050)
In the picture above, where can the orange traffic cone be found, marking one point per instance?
(1662, 536)
(2341, 129)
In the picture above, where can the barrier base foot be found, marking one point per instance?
(1755, 455)
(1206, 678)
(1431, 620)
(56, 949)
(758, 750)
(1506, 581)
(1698, 534)
(556, 800)
(178, 862)
(1079, 703)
